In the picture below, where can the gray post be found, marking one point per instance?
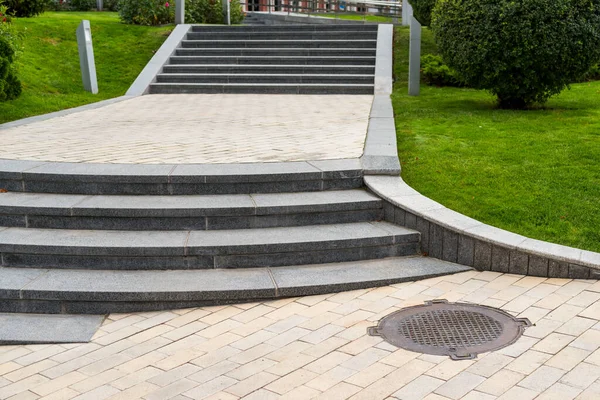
(86, 57)
(414, 58)
(226, 12)
(99, 5)
(179, 12)
(407, 12)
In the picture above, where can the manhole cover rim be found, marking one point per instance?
(512, 329)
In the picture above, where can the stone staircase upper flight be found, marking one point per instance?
(85, 238)
(286, 59)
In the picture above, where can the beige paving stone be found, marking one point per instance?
(359, 345)
(288, 337)
(449, 368)
(173, 375)
(568, 358)
(553, 343)
(185, 330)
(144, 361)
(340, 391)
(521, 346)
(592, 312)
(32, 369)
(253, 339)
(212, 372)
(591, 393)
(582, 376)
(327, 362)
(135, 392)
(460, 385)
(59, 383)
(285, 324)
(353, 318)
(102, 365)
(478, 396)
(500, 382)
(542, 378)
(251, 384)
(585, 299)
(321, 334)
(325, 347)
(211, 387)
(528, 362)
(400, 357)
(558, 391)
(330, 378)
(575, 326)
(356, 331)
(93, 382)
(190, 316)
(8, 367)
(534, 314)
(100, 393)
(289, 350)
(62, 394)
(564, 312)
(65, 368)
(520, 303)
(171, 390)
(573, 288)
(594, 358)
(262, 394)
(291, 381)
(589, 340)
(370, 374)
(252, 368)
(39, 355)
(489, 364)
(543, 328)
(75, 352)
(419, 388)
(290, 364)
(23, 385)
(519, 393)
(299, 393)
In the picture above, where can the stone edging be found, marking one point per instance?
(161, 57)
(451, 236)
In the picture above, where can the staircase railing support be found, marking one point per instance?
(179, 12)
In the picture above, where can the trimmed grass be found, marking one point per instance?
(536, 173)
(49, 66)
(355, 17)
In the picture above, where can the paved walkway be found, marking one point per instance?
(165, 129)
(317, 347)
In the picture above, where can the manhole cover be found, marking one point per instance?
(458, 330)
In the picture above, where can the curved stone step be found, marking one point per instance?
(164, 179)
(63, 211)
(100, 292)
(252, 42)
(273, 60)
(234, 248)
(266, 88)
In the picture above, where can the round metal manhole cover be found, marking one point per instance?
(458, 330)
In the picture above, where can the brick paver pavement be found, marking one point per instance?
(199, 129)
(317, 348)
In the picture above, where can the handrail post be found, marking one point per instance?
(179, 12)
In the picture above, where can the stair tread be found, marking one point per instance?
(173, 205)
(181, 243)
(348, 85)
(278, 40)
(284, 75)
(109, 285)
(267, 66)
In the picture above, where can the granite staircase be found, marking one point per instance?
(296, 59)
(83, 238)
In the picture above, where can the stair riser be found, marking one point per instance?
(332, 79)
(287, 28)
(189, 223)
(126, 188)
(277, 52)
(359, 250)
(233, 69)
(346, 35)
(182, 88)
(273, 60)
(264, 44)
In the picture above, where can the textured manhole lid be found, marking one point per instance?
(458, 330)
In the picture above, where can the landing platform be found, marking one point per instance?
(182, 128)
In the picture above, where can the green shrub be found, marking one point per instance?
(146, 12)
(111, 5)
(10, 86)
(521, 51)
(593, 74)
(436, 73)
(27, 8)
(237, 13)
(422, 10)
(82, 5)
(203, 12)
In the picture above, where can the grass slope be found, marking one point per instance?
(49, 65)
(536, 173)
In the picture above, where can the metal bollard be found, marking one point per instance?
(86, 57)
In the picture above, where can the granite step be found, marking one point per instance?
(195, 249)
(79, 291)
(274, 60)
(351, 79)
(192, 212)
(276, 51)
(183, 179)
(348, 34)
(268, 69)
(279, 43)
(286, 28)
(261, 88)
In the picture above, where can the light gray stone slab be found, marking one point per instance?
(590, 259)
(383, 60)
(389, 186)
(495, 235)
(381, 165)
(84, 172)
(12, 280)
(339, 200)
(381, 107)
(417, 204)
(550, 250)
(43, 328)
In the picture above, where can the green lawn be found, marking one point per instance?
(49, 65)
(536, 173)
(356, 17)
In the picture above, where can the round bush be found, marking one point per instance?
(82, 5)
(521, 51)
(422, 10)
(10, 86)
(203, 12)
(146, 12)
(27, 8)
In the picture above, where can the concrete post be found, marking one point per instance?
(99, 5)
(407, 12)
(86, 57)
(226, 12)
(179, 12)
(414, 58)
